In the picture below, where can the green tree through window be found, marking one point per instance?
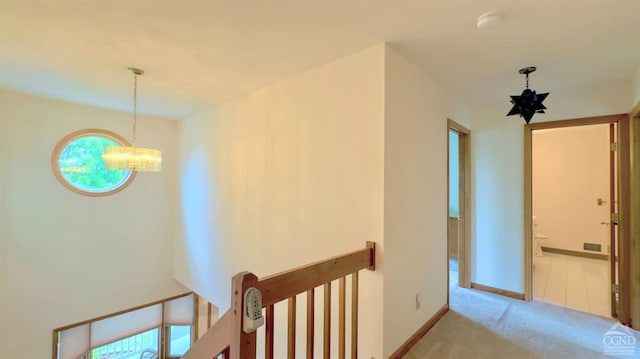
(80, 164)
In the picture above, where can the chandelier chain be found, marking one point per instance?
(135, 107)
(130, 157)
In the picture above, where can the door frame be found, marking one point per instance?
(623, 193)
(464, 219)
(613, 208)
(633, 309)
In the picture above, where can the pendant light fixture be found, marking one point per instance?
(133, 158)
(529, 102)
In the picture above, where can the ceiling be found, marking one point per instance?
(197, 54)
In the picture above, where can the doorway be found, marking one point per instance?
(571, 206)
(458, 170)
(571, 193)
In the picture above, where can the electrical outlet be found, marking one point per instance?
(418, 300)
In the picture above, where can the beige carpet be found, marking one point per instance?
(485, 325)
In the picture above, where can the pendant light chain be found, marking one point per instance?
(527, 80)
(135, 107)
(132, 158)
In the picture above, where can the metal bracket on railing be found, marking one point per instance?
(372, 246)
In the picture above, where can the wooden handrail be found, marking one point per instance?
(284, 285)
(226, 337)
(215, 341)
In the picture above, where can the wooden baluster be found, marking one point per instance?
(196, 316)
(291, 343)
(310, 322)
(354, 315)
(327, 321)
(209, 315)
(341, 318)
(268, 340)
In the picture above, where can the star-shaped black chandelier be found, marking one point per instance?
(529, 102)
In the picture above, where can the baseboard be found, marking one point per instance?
(406, 346)
(568, 252)
(506, 293)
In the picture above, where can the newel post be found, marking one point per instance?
(243, 345)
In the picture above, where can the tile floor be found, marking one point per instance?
(578, 283)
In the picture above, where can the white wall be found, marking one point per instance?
(498, 177)
(315, 166)
(415, 198)
(570, 170)
(3, 236)
(69, 257)
(285, 176)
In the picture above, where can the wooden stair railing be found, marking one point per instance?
(227, 339)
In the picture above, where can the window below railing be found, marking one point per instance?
(136, 333)
(178, 340)
(144, 345)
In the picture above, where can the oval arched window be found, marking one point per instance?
(78, 165)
